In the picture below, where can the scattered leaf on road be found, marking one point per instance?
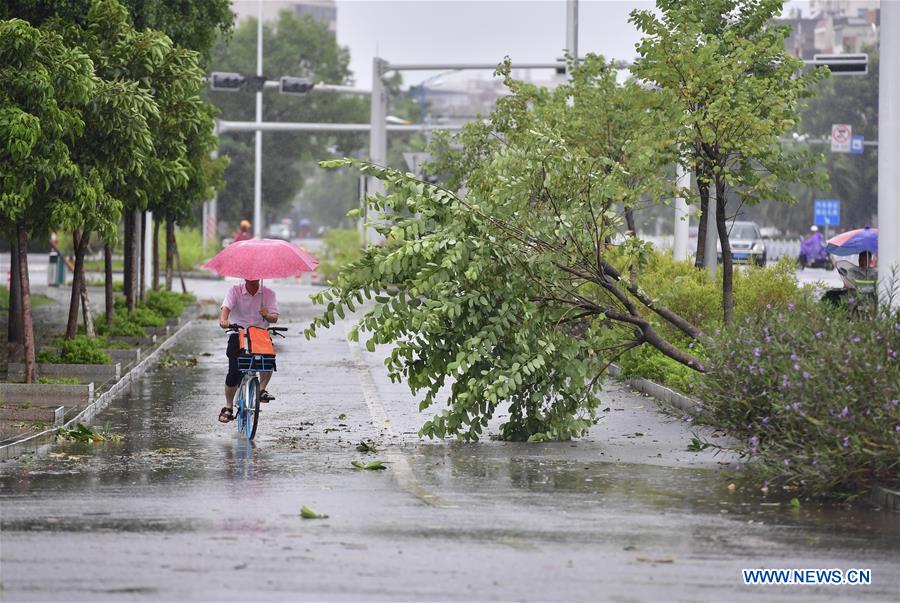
(366, 446)
(371, 466)
(308, 513)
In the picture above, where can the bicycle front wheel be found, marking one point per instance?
(239, 408)
(251, 416)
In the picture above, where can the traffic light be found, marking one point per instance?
(230, 82)
(295, 85)
(843, 64)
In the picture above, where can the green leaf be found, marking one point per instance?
(370, 466)
(308, 513)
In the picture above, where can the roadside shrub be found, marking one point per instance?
(757, 290)
(649, 363)
(683, 288)
(146, 317)
(79, 350)
(58, 381)
(341, 246)
(813, 396)
(123, 326)
(168, 303)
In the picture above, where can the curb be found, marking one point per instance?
(39, 441)
(655, 390)
(887, 499)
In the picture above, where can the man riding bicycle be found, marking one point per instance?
(248, 305)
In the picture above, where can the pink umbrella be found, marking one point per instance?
(262, 259)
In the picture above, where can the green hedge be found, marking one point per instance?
(79, 350)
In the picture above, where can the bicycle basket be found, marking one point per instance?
(256, 362)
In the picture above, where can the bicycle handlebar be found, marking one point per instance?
(234, 328)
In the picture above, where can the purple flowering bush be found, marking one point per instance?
(812, 394)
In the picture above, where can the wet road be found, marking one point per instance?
(182, 509)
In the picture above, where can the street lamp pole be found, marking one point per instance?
(572, 29)
(889, 149)
(377, 138)
(257, 167)
(680, 244)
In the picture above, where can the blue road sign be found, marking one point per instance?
(827, 212)
(857, 144)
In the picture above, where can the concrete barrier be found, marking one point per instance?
(655, 390)
(125, 357)
(47, 415)
(85, 373)
(135, 341)
(43, 395)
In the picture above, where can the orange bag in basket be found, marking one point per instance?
(256, 341)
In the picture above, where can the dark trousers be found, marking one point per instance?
(234, 376)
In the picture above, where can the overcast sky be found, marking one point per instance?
(469, 31)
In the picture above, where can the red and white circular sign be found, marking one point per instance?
(841, 133)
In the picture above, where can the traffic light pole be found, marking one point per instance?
(257, 164)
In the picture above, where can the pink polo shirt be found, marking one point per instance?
(245, 307)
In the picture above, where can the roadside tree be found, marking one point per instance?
(44, 86)
(724, 66)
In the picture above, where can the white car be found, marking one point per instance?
(746, 242)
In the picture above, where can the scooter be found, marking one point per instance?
(813, 254)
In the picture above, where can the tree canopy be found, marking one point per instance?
(193, 25)
(508, 295)
(737, 90)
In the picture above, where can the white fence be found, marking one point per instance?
(775, 248)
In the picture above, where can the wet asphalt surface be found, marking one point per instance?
(184, 509)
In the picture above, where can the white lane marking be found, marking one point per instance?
(399, 464)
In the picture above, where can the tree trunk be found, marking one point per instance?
(87, 312)
(80, 242)
(108, 284)
(170, 250)
(703, 188)
(14, 332)
(156, 254)
(143, 240)
(727, 264)
(629, 220)
(129, 258)
(178, 263)
(135, 258)
(27, 321)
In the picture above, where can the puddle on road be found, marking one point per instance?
(520, 476)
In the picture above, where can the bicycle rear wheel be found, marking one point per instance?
(251, 418)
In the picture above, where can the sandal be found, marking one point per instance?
(266, 396)
(226, 415)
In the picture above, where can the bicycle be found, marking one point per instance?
(247, 399)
